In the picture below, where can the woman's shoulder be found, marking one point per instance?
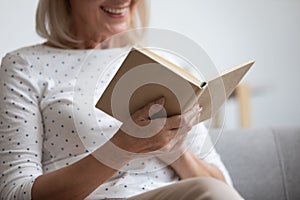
(21, 56)
(39, 49)
(28, 50)
(36, 53)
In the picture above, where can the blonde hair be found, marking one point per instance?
(53, 21)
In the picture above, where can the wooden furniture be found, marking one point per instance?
(242, 94)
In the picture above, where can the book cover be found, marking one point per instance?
(145, 76)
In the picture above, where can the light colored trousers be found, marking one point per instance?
(192, 189)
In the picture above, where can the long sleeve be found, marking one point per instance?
(21, 128)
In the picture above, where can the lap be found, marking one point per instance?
(192, 189)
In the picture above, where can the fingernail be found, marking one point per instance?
(198, 108)
(160, 100)
(155, 108)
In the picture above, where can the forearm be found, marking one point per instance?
(72, 182)
(189, 165)
(81, 178)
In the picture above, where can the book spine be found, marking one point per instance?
(194, 98)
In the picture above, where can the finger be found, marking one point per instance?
(182, 131)
(185, 119)
(174, 135)
(174, 139)
(173, 122)
(192, 116)
(149, 109)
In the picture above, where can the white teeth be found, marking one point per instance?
(116, 11)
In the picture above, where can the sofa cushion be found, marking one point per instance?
(263, 163)
(288, 143)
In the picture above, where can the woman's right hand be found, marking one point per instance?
(141, 134)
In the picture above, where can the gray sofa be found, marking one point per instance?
(263, 163)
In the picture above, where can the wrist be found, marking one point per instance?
(184, 162)
(188, 166)
(112, 156)
(127, 143)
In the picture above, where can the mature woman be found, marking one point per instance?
(43, 156)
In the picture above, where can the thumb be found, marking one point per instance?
(150, 109)
(156, 107)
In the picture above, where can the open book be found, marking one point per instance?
(145, 76)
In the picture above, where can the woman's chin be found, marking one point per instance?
(118, 29)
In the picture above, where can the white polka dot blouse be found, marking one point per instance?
(48, 121)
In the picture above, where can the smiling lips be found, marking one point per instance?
(115, 12)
